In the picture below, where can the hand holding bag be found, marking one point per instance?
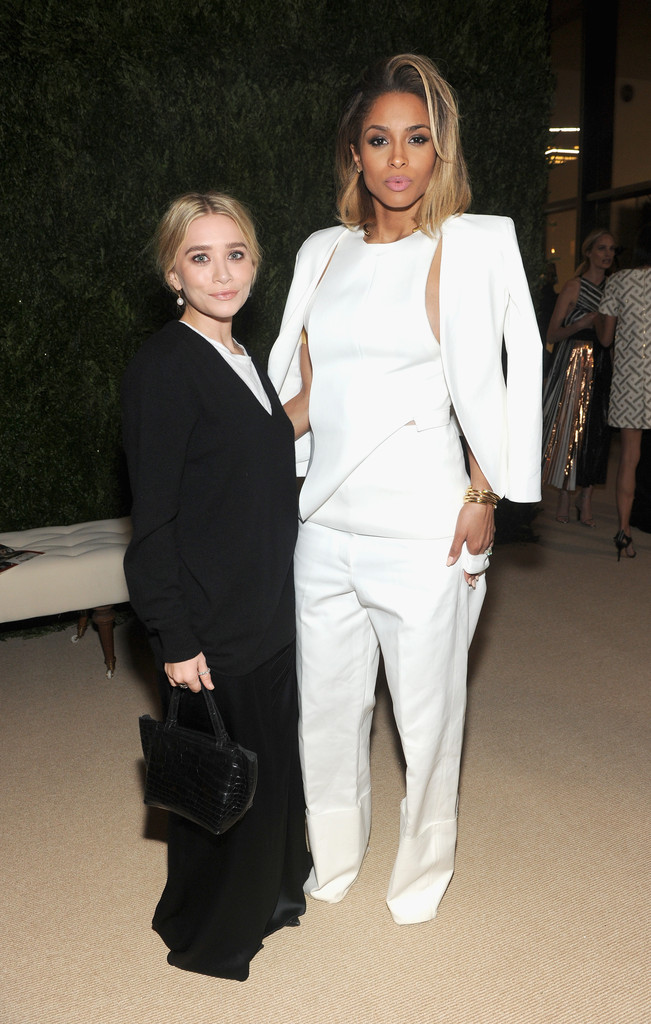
(208, 779)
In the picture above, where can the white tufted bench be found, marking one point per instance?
(80, 568)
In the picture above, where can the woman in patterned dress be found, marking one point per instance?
(626, 309)
(576, 436)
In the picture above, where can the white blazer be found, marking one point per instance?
(484, 298)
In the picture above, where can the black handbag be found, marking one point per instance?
(206, 778)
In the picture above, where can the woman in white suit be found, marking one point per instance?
(390, 347)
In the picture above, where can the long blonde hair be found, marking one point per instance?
(448, 192)
(186, 208)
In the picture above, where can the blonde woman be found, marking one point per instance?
(209, 569)
(576, 437)
(400, 315)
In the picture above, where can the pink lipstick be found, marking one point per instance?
(398, 183)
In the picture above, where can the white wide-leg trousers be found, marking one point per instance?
(357, 594)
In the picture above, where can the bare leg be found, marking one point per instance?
(584, 506)
(631, 441)
(563, 507)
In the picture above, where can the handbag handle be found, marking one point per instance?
(216, 719)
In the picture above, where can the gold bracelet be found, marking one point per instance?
(478, 497)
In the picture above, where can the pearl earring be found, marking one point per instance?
(180, 301)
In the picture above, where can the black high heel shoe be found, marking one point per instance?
(622, 542)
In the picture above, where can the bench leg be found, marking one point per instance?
(82, 624)
(104, 617)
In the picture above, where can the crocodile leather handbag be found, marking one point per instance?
(206, 778)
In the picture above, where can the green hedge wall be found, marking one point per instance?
(111, 109)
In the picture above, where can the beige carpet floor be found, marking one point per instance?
(546, 919)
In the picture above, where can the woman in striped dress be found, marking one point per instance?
(576, 436)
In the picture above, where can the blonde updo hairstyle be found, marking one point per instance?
(448, 192)
(183, 211)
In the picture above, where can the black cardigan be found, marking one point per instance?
(214, 506)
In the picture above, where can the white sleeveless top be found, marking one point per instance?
(386, 460)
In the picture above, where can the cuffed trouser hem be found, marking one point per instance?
(422, 873)
(339, 839)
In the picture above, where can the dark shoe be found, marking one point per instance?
(622, 543)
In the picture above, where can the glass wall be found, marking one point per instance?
(632, 136)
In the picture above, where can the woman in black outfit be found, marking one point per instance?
(211, 463)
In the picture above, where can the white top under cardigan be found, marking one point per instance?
(484, 298)
(243, 366)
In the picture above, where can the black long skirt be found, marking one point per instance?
(592, 463)
(225, 893)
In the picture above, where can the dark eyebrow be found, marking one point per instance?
(385, 128)
(207, 248)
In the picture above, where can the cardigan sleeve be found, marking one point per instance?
(158, 419)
